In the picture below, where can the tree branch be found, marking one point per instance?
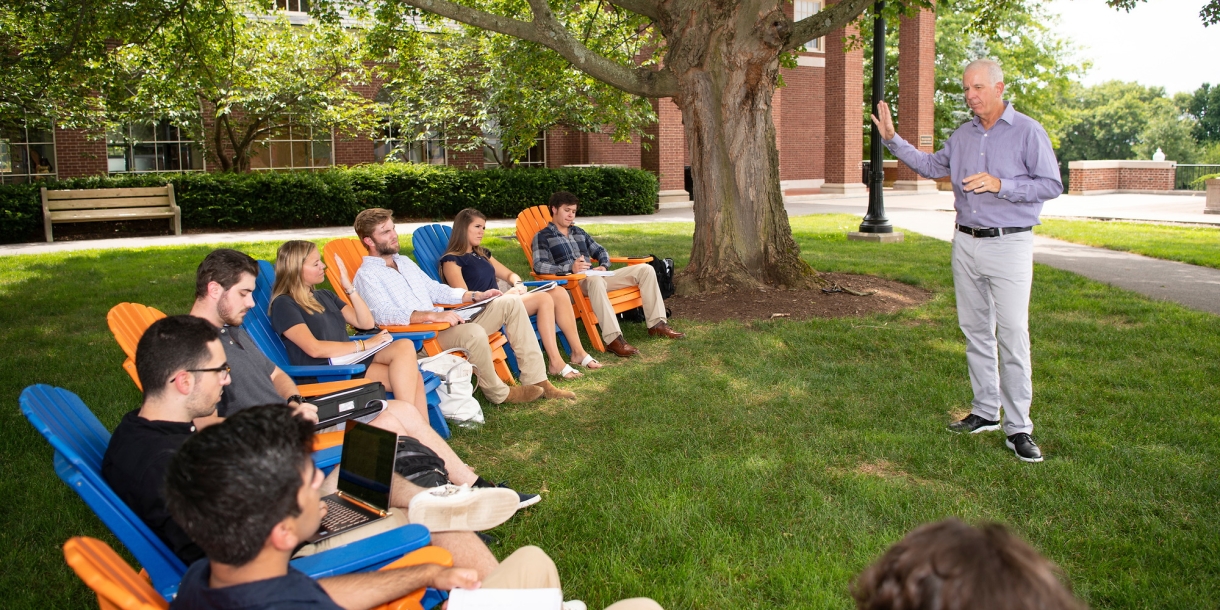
(825, 21)
(547, 31)
(647, 8)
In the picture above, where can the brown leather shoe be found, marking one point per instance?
(550, 391)
(621, 348)
(524, 393)
(663, 330)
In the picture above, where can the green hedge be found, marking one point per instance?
(334, 197)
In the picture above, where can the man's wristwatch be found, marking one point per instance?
(297, 398)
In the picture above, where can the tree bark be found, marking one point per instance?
(725, 55)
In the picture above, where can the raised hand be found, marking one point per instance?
(344, 281)
(886, 123)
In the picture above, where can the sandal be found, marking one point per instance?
(568, 373)
(588, 361)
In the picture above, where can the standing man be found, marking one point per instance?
(1003, 169)
(562, 247)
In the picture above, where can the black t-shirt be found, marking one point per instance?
(293, 590)
(134, 465)
(328, 325)
(479, 273)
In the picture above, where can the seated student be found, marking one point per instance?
(948, 565)
(563, 247)
(183, 370)
(399, 292)
(467, 264)
(248, 492)
(223, 285)
(313, 323)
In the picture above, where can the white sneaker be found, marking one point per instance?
(451, 508)
(574, 604)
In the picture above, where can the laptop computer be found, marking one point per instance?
(352, 403)
(365, 473)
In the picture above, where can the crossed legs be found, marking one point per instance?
(397, 369)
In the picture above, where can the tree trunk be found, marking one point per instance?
(727, 62)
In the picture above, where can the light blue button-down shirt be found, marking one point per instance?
(393, 295)
(1016, 150)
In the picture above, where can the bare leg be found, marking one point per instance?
(565, 316)
(468, 551)
(397, 368)
(541, 305)
(403, 418)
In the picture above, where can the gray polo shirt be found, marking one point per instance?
(251, 374)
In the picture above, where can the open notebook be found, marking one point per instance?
(506, 599)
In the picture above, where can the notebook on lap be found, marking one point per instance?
(338, 407)
(365, 474)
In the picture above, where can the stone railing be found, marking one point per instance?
(1097, 177)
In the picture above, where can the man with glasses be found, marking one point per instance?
(182, 368)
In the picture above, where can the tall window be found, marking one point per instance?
(493, 152)
(802, 9)
(413, 145)
(27, 152)
(295, 145)
(151, 147)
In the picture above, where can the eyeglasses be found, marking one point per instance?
(222, 370)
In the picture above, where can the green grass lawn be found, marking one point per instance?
(1194, 245)
(753, 465)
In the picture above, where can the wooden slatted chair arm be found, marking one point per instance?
(631, 260)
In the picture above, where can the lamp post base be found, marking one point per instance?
(882, 238)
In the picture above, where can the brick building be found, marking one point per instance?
(818, 118)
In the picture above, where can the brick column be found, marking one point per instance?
(844, 116)
(667, 157)
(916, 86)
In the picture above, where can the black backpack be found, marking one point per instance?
(665, 275)
(665, 282)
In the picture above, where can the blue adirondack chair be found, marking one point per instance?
(258, 324)
(80, 440)
(429, 243)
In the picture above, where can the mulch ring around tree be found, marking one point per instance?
(883, 296)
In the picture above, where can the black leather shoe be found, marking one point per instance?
(1024, 447)
(974, 424)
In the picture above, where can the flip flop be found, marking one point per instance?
(587, 360)
(567, 373)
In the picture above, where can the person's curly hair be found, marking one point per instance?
(949, 565)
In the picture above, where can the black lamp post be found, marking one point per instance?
(875, 220)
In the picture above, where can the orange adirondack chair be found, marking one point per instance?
(119, 587)
(352, 253)
(532, 220)
(128, 321)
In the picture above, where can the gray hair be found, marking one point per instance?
(994, 73)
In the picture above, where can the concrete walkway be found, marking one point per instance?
(929, 214)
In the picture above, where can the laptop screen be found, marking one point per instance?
(367, 466)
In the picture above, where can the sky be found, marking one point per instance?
(1160, 42)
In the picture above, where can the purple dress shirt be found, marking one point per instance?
(1016, 150)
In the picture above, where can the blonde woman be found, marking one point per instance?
(313, 323)
(467, 264)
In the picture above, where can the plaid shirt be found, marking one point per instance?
(555, 252)
(393, 296)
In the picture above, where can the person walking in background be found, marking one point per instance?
(1003, 169)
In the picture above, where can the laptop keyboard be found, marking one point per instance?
(339, 516)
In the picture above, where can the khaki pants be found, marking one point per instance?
(530, 568)
(643, 276)
(508, 312)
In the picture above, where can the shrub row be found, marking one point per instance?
(334, 197)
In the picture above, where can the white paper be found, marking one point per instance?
(596, 272)
(543, 288)
(506, 599)
(355, 357)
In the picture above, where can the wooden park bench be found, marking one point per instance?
(94, 205)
